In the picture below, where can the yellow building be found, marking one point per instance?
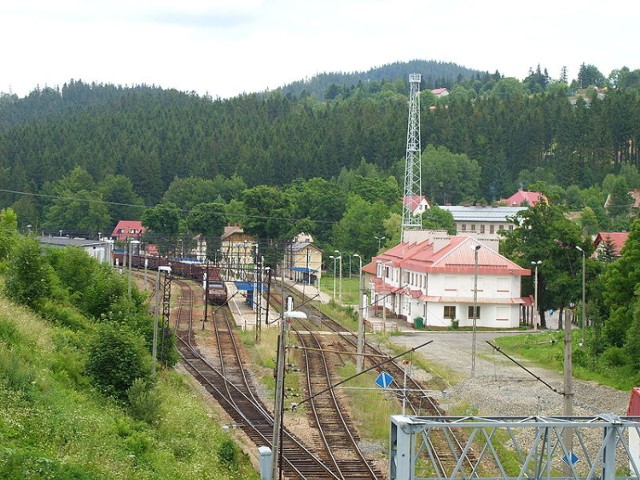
(303, 261)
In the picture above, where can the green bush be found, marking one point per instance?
(228, 453)
(63, 315)
(14, 371)
(144, 401)
(614, 357)
(117, 357)
(29, 277)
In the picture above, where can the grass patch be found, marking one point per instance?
(546, 349)
(365, 398)
(53, 424)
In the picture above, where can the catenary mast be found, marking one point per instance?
(412, 174)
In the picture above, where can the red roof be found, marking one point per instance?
(617, 239)
(521, 197)
(128, 229)
(449, 255)
(414, 201)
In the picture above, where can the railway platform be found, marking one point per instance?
(245, 316)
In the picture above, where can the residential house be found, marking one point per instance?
(417, 204)
(635, 198)
(199, 251)
(482, 220)
(237, 253)
(440, 92)
(616, 240)
(101, 250)
(435, 281)
(127, 230)
(303, 260)
(524, 199)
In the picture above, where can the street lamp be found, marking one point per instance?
(535, 265)
(379, 239)
(583, 292)
(359, 271)
(476, 248)
(279, 393)
(334, 276)
(131, 243)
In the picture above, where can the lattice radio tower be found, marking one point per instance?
(412, 172)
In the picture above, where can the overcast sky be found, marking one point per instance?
(226, 47)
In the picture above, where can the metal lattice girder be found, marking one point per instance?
(413, 167)
(514, 447)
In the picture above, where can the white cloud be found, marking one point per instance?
(225, 47)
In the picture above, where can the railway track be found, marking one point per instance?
(412, 393)
(335, 428)
(227, 381)
(230, 386)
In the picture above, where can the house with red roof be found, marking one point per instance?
(523, 198)
(435, 279)
(127, 230)
(417, 204)
(615, 239)
(440, 92)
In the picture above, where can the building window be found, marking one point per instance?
(481, 228)
(463, 227)
(449, 312)
(511, 228)
(477, 309)
(491, 227)
(473, 228)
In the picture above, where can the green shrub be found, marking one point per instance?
(614, 357)
(117, 357)
(228, 453)
(580, 357)
(14, 371)
(29, 277)
(144, 401)
(63, 315)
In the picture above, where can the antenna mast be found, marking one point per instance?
(412, 173)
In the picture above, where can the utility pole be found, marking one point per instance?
(363, 304)
(584, 304)
(567, 435)
(206, 292)
(476, 248)
(279, 393)
(154, 347)
(535, 264)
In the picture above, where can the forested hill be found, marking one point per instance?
(510, 133)
(435, 75)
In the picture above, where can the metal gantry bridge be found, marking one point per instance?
(604, 447)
